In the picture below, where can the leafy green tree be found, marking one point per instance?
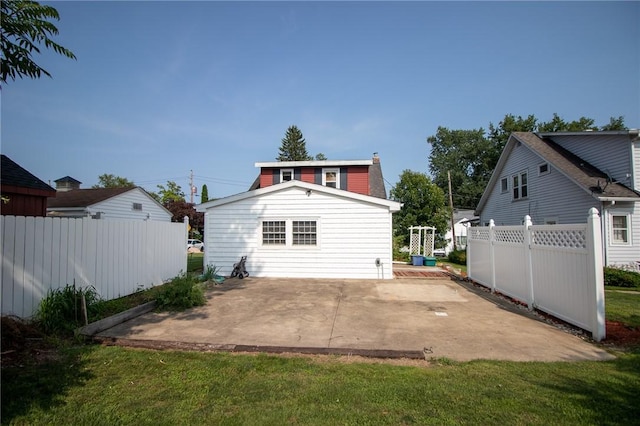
(204, 194)
(469, 157)
(24, 29)
(509, 124)
(113, 181)
(423, 204)
(294, 147)
(172, 192)
(557, 124)
(320, 157)
(615, 123)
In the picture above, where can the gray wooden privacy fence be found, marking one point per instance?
(557, 269)
(117, 258)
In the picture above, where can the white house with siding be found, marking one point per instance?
(300, 229)
(107, 204)
(555, 178)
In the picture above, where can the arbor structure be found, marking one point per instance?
(293, 147)
(423, 204)
(113, 181)
(24, 29)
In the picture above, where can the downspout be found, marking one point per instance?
(603, 230)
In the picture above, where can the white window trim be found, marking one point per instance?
(282, 171)
(519, 175)
(288, 233)
(627, 215)
(540, 173)
(504, 190)
(331, 170)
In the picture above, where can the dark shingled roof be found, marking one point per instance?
(14, 175)
(580, 171)
(84, 197)
(67, 179)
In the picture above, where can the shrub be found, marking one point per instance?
(60, 312)
(180, 293)
(458, 256)
(621, 278)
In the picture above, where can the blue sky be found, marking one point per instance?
(163, 88)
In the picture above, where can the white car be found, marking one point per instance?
(195, 244)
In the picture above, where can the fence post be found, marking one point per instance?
(596, 274)
(492, 259)
(528, 263)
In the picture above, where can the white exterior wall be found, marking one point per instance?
(550, 196)
(611, 154)
(121, 207)
(617, 254)
(461, 231)
(352, 234)
(635, 173)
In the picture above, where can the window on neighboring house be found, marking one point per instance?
(274, 232)
(304, 233)
(504, 185)
(543, 169)
(137, 206)
(331, 177)
(619, 229)
(286, 175)
(520, 188)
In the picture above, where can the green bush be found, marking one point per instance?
(616, 277)
(60, 312)
(458, 257)
(180, 293)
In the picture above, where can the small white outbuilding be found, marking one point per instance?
(298, 229)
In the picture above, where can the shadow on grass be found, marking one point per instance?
(612, 398)
(42, 382)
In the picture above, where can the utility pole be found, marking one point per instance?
(191, 187)
(453, 228)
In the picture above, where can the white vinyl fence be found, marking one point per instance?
(117, 258)
(557, 269)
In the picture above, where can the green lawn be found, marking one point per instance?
(623, 304)
(112, 385)
(195, 262)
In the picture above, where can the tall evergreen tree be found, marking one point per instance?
(204, 194)
(294, 147)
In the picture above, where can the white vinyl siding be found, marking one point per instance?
(623, 253)
(351, 235)
(550, 195)
(611, 153)
(121, 207)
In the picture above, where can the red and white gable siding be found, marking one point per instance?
(353, 175)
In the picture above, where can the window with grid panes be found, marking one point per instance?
(620, 229)
(304, 233)
(274, 232)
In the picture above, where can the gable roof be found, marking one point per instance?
(67, 179)
(585, 175)
(393, 206)
(85, 197)
(14, 175)
(376, 180)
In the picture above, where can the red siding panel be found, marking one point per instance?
(307, 175)
(266, 178)
(358, 179)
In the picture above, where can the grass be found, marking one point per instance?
(195, 262)
(462, 268)
(623, 305)
(112, 385)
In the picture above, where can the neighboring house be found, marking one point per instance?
(555, 178)
(305, 219)
(23, 194)
(108, 203)
(462, 220)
